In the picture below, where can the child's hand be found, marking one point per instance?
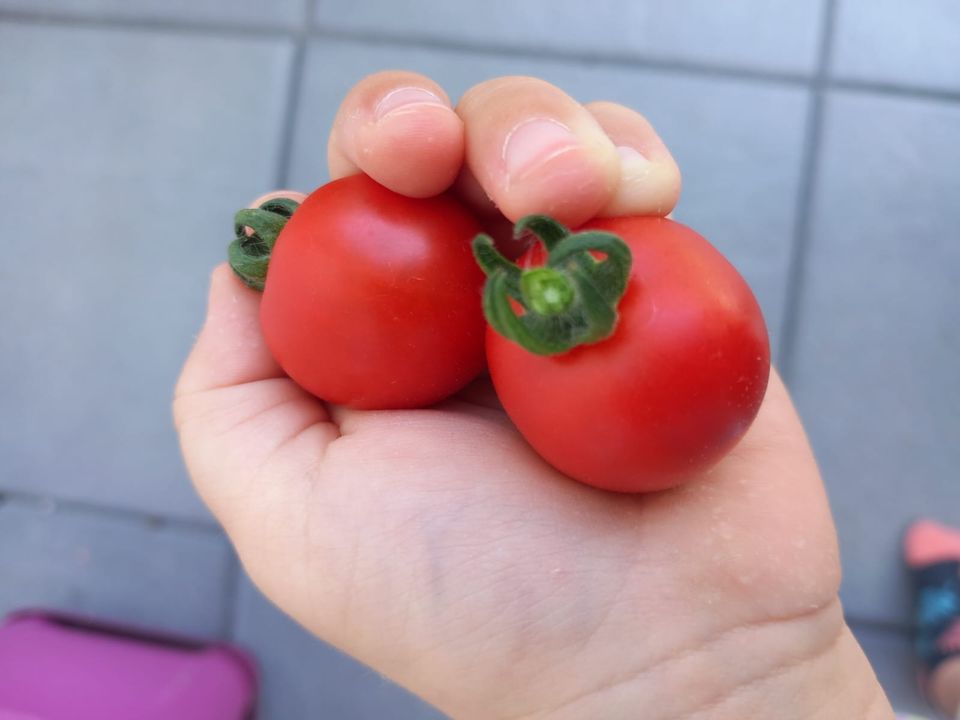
(435, 546)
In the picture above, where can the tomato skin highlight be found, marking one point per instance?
(669, 393)
(372, 298)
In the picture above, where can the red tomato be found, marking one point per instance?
(669, 392)
(371, 298)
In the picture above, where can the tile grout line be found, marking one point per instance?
(609, 59)
(292, 103)
(891, 627)
(308, 29)
(231, 595)
(891, 89)
(677, 66)
(809, 172)
(148, 24)
(37, 500)
(636, 61)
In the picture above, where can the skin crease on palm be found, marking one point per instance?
(435, 546)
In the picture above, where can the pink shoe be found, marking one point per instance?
(59, 667)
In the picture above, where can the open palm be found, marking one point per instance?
(437, 547)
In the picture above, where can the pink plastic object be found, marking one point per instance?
(59, 667)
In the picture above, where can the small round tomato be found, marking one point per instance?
(371, 298)
(666, 387)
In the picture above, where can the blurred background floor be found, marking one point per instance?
(820, 145)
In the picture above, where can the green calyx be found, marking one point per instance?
(569, 301)
(546, 290)
(256, 231)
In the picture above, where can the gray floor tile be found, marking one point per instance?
(303, 677)
(878, 340)
(773, 35)
(891, 655)
(738, 143)
(125, 155)
(113, 567)
(890, 41)
(276, 12)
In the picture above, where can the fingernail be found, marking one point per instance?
(533, 142)
(289, 194)
(405, 97)
(632, 160)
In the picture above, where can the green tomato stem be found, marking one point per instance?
(256, 232)
(546, 290)
(570, 301)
